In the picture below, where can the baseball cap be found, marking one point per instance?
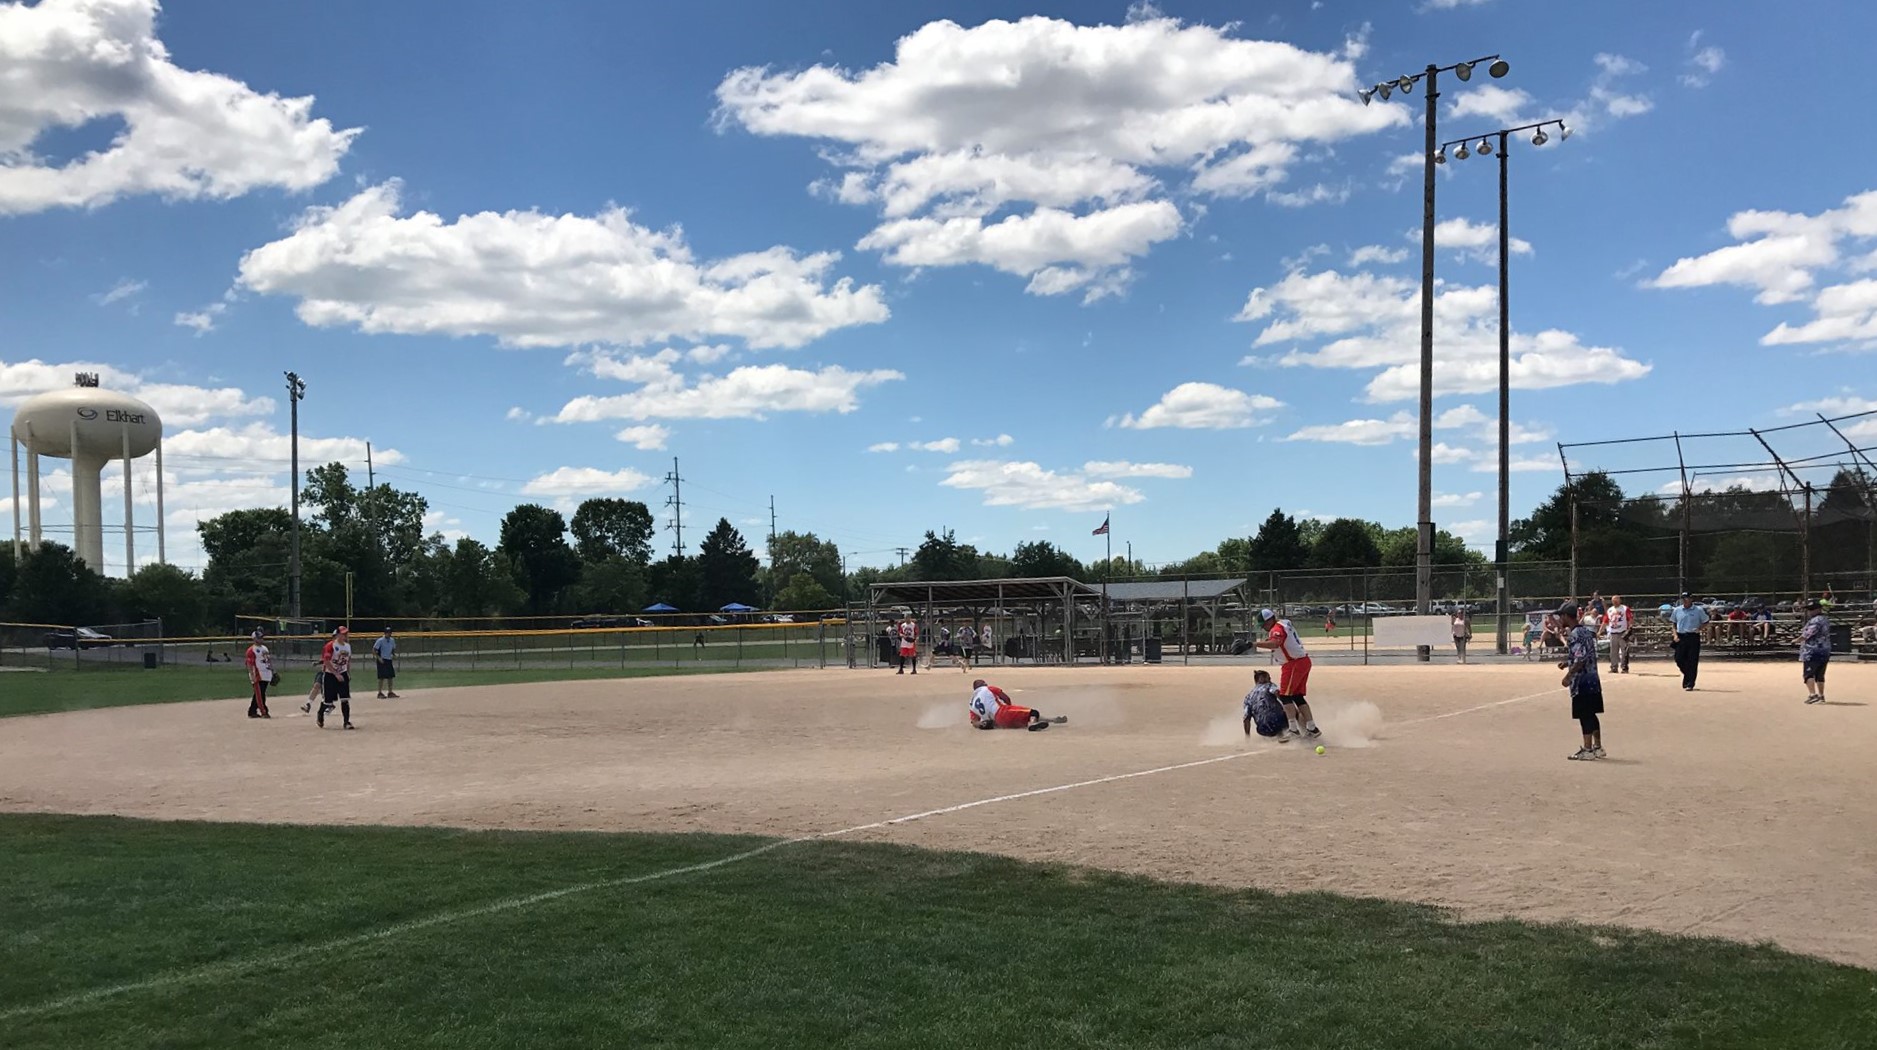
(343, 630)
(257, 635)
(1266, 614)
(1568, 609)
(1685, 594)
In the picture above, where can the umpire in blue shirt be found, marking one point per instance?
(1688, 618)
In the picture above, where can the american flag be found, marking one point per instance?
(1103, 530)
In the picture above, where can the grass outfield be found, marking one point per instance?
(30, 693)
(226, 935)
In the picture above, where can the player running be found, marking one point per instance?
(260, 676)
(1294, 678)
(991, 709)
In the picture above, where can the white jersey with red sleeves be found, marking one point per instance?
(1288, 643)
(260, 663)
(986, 699)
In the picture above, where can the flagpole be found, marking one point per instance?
(1107, 525)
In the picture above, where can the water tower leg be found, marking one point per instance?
(130, 524)
(161, 555)
(14, 465)
(32, 499)
(87, 514)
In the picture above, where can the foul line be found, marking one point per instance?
(236, 967)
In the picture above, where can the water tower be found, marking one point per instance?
(90, 427)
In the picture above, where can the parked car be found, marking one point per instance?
(76, 637)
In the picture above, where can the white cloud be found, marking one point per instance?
(1506, 106)
(203, 320)
(1123, 469)
(1478, 241)
(884, 446)
(708, 355)
(123, 289)
(1459, 416)
(649, 437)
(1606, 99)
(1486, 463)
(1445, 453)
(1317, 194)
(1202, 406)
(1457, 499)
(585, 481)
(1000, 441)
(1059, 251)
(179, 405)
(518, 414)
(536, 280)
(1375, 253)
(1030, 486)
(1781, 253)
(260, 443)
(185, 134)
(1702, 63)
(1845, 403)
(1360, 431)
(748, 392)
(1081, 135)
(1367, 321)
(1449, 5)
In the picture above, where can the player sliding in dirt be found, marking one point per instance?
(991, 709)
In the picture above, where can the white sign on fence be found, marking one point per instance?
(1409, 631)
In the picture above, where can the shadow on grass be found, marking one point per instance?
(815, 944)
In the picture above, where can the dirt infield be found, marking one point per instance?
(1735, 811)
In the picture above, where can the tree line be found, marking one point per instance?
(601, 561)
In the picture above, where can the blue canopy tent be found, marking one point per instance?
(737, 607)
(658, 608)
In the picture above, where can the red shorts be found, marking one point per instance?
(1294, 679)
(1011, 716)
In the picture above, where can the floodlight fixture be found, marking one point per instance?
(1462, 153)
(1499, 68)
(1384, 90)
(1405, 85)
(1485, 147)
(1539, 137)
(1440, 156)
(1464, 70)
(1366, 95)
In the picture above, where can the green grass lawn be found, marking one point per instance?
(226, 934)
(27, 693)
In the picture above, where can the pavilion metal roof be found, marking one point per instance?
(1170, 590)
(980, 592)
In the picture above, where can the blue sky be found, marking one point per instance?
(1065, 258)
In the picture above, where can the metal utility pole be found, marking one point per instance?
(902, 551)
(1424, 523)
(296, 390)
(1539, 138)
(676, 503)
(773, 589)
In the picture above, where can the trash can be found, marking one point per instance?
(1151, 650)
(1841, 638)
(149, 659)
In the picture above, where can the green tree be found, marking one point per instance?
(805, 593)
(611, 585)
(1278, 545)
(477, 582)
(942, 557)
(726, 569)
(1346, 543)
(674, 581)
(534, 539)
(1041, 558)
(164, 592)
(53, 586)
(227, 536)
(793, 553)
(248, 553)
(613, 528)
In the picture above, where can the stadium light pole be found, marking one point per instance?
(1503, 548)
(296, 391)
(1424, 525)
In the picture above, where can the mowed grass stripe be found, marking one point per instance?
(825, 943)
(34, 693)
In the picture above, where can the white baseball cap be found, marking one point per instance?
(1266, 614)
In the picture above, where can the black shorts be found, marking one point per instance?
(1815, 667)
(338, 687)
(1587, 701)
(386, 671)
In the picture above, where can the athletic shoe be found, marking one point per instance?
(1598, 751)
(1814, 699)
(381, 696)
(1060, 719)
(1037, 727)
(1293, 731)
(391, 696)
(306, 708)
(348, 725)
(1583, 754)
(1313, 732)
